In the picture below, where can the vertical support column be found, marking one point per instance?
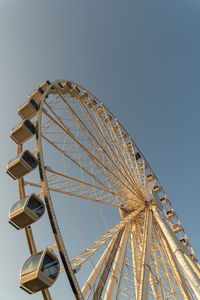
(143, 288)
(135, 258)
(116, 266)
(178, 253)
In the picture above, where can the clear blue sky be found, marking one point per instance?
(141, 58)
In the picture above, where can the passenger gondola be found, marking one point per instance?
(156, 188)
(57, 87)
(163, 201)
(39, 271)
(21, 165)
(24, 131)
(66, 88)
(26, 211)
(91, 103)
(150, 178)
(170, 214)
(107, 118)
(28, 109)
(100, 110)
(129, 146)
(115, 127)
(83, 96)
(122, 136)
(184, 242)
(38, 93)
(177, 228)
(137, 155)
(74, 92)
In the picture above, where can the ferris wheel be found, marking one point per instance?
(116, 234)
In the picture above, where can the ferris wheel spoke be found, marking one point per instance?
(124, 152)
(94, 247)
(117, 148)
(90, 155)
(75, 162)
(83, 129)
(86, 129)
(115, 155)
(102, 170)
(38, 185)
(123, 149)
(72, 184)
(89, 133)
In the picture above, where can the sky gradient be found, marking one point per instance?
(140, 58)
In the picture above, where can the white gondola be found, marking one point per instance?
(115, 127)
(122, 136)
(156, 189)
(74, 92)
(26, 211)
(170, 214)
(163, 201)
(56, 87)
(39, 272)
(150, 178)
(24, 131)
(129, 146)
(66, 88)
(91, 103)
(177, 228)
(143, 166)
(184, 242)
(137, 155)
(100, 110)
(83, 96)
(21, 165)
(45, 85)
(107, 118)
(38, 93)
(28, 109)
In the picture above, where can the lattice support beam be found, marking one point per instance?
(95, 273)
(116, 266)
(101, 284)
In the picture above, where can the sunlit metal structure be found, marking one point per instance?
(85, 154)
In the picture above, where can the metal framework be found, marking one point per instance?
(131, 243)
